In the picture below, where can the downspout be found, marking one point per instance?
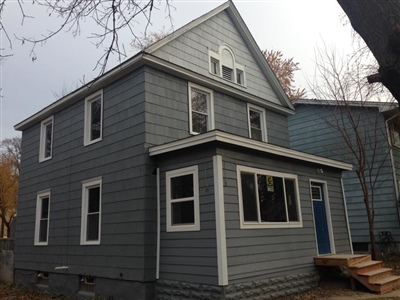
(396, 188)
(158, 226)
(347, 216)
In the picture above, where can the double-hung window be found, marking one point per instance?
(91, 212)
(46, 139)
(394, 129)
(257, 123)
(42, 218)
(268, 199)
(93, 118)
(201, 112)
(183, 200)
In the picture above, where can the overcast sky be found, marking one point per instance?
(295, 27)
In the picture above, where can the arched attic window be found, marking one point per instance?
(224, 64)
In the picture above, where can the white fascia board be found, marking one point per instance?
(256, 51)
(82, 92)
(157, 45)
(189, 75)
(230, 139)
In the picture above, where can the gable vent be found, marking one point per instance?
(227, 73)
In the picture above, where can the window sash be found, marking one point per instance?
(255, 200)
(46, 140)
(91, 212)
(42, 218)
(182, 200)
(93, 131)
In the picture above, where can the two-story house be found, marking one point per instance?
(171, 176)
(321, 127)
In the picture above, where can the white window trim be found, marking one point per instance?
(90, 183)
(258, 225)
(236, 65)
(40, 196)
(88, 112)
(263, 120)
(42, 145)
(176, 173)
(210, 107)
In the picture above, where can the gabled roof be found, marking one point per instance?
(236, 18)
(146, 58)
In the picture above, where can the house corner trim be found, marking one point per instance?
(220, 221)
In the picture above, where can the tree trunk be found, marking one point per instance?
(378, 23)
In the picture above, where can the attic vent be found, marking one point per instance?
(227, 73)
(223, 64)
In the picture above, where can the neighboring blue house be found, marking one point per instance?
(313, 129)
(171, 177)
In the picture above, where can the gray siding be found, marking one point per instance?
(190, 50)
(126, 233)
(167, 112)
(311, 131)
(255, 254)
(190, 256)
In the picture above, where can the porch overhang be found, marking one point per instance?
(246, 143)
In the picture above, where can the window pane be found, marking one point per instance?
(92, 230)
(315, 193)
(45, 208)
(182, 187)
(49, 129)
(291, 199)
(249, 197)
(43, 230)
(255, 119)
(199, 102)
(94, 200)
(199, 123)
(256, 134)
(95, 121)
(271, 197)
(183, 212)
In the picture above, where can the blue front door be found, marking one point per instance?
(320, 219)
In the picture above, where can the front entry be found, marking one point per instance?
(320, 218)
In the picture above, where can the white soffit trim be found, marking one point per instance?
(230, 139)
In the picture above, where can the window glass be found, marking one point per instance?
(255, 125)
(268, 198)
(95, 119)
(49, 134)
(44, 219)
(91, 211)
(200, 110)
(182, 199)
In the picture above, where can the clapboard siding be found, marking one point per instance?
(276, 250)
(190, 50)
(190, 256)
(119, 159)
(311, 130)
(167, 112)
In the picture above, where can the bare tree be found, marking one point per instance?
(110, 17)
(148, 39)
(378, 23)
(342, 81)
(284, 69)
(9, 176)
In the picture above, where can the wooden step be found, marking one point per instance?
(385, 285)
(340, 259)
(366, 266)
(376, 275)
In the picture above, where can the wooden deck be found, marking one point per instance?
(337, 260)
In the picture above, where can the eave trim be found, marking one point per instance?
(234, 140)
